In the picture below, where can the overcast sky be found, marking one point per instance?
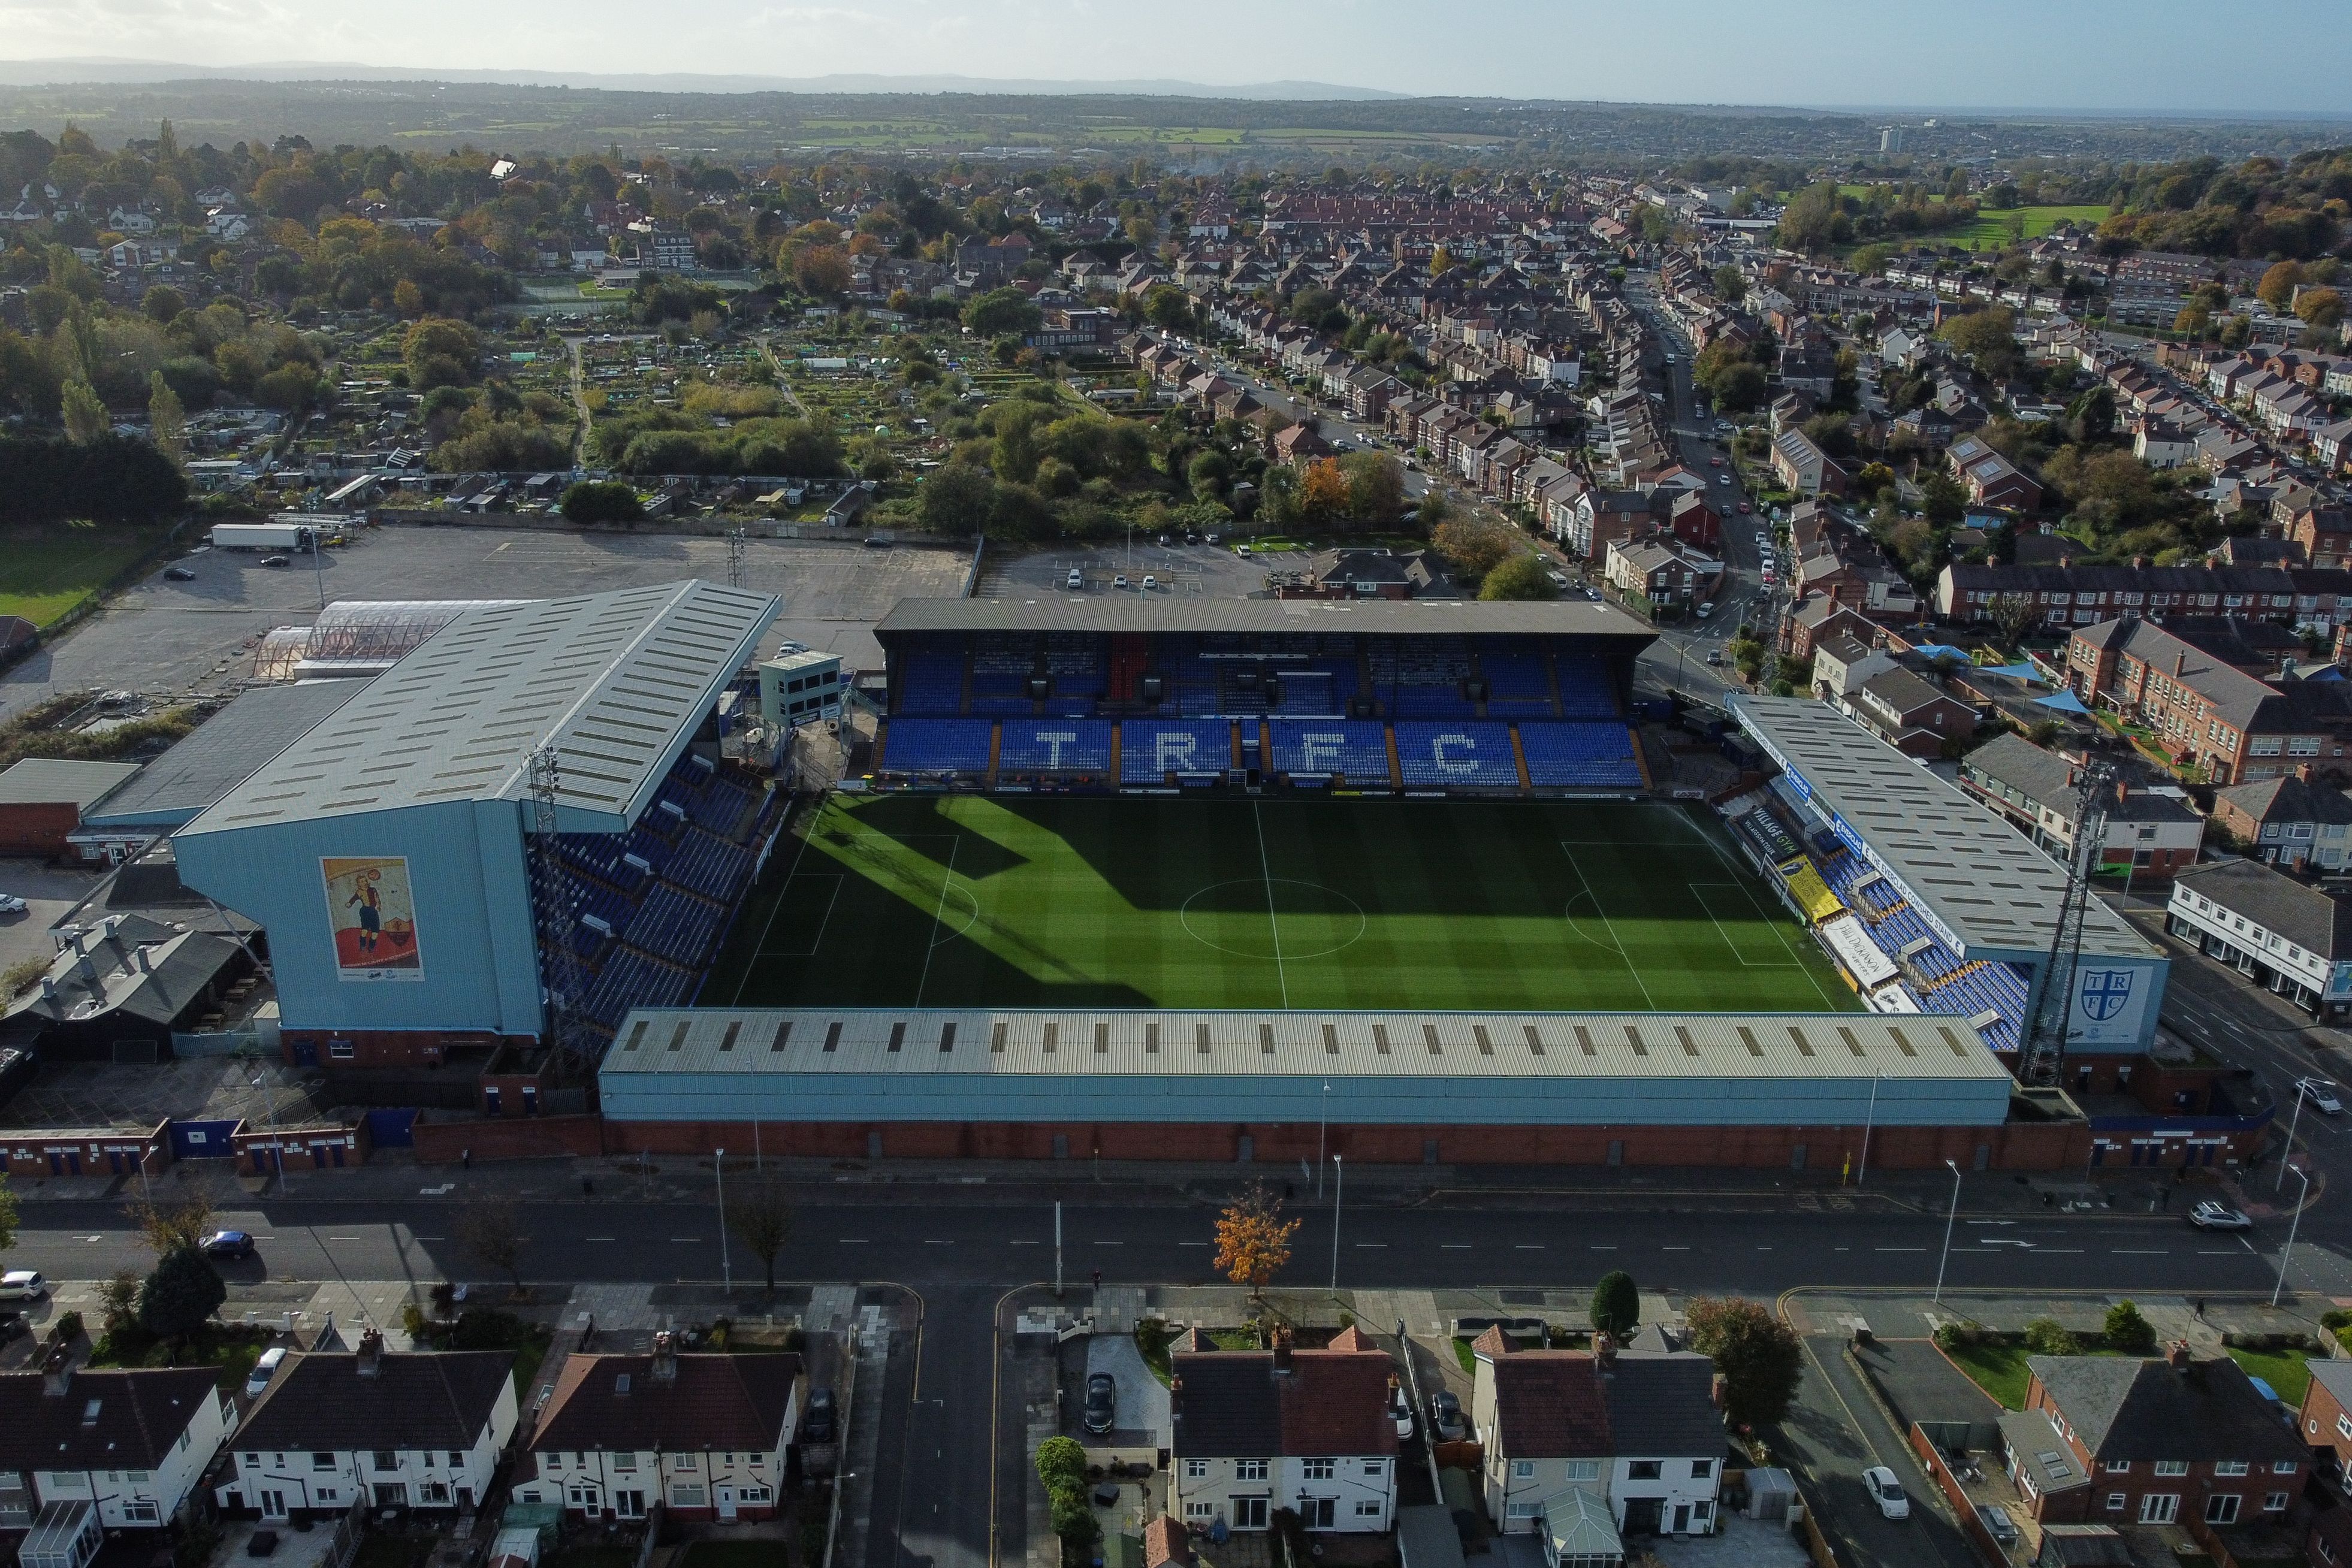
(2278, 56)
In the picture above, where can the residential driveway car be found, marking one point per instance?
(1142, 1401)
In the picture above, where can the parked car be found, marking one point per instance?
(1715, 461)
(2323, 1093)
(1102, 1403)
(229, 1244)
(1400, 1412)
(1119, 582)
(12, 905)
(1076, 581)
(23, 1285)
(1445, 1416)
(2215, 1215)
(274, 561)
(1151, 583)
(257, 1383)
(180, 573)
(1715, 656)
(1242, 552)
(1707, 610)
(1886, 1492)
(818, 1425)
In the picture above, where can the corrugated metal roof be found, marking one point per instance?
(41, 781)
(223, 752)
(1988, 884)
(612, 680)
(1426, 1045)
(1382, 617)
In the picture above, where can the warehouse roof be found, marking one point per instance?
(40, 781)
(223, 753)
(1988, 884)
(1405, 1045)
(1145, 613)
(614, 682)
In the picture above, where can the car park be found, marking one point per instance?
(1102, 1403)
(2323, 1093)
(1119, 582)
(274, 561)
(2214, 1215)
(23, 1285)
(1886, 1492)
(1077, 581)
(227, 1244)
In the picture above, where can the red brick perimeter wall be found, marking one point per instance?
(537, 1138)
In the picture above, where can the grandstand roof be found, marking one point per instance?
(615, 682)
(1582, 1046)
(1145, 612)
(1980, 877)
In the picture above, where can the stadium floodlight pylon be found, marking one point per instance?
(563, 985)
(2045, 1046)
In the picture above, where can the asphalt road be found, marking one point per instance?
(935, 1244)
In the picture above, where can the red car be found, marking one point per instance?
(1745, 509)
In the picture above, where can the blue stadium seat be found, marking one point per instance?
(1585, 690)
(1151, 748)
(1054, 746)
(929, 682)
(1596, 754)
(1476, 755)
(936, 746)
(1311, 748)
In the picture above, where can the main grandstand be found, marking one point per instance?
(1377, 697)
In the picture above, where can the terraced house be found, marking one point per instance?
(2194, 683)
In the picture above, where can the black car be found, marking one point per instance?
(274, 561)
(819, 1426)
(180, 573)
(1445, 1416)
(229, 1244)
(1102, 1402)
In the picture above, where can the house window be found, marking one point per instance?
(1375, 1468)
(625, 1461)
(1367, 1508)
(1196, 1469)
(687, 1494)
(2230, 1467)
(2160, 1507)
(2275, 1502)
(138, 1510)
(386, 1461)
(434, 1492)
(457, 1460)
(1645, 1469)
(1523, 1469)
(324, 1494)
(2172, 1467)
(1584, 1469)
(1249, 1470)
(682, 1462)
(1702, 1469)
(1200, 1510)
(1320, 1470)
(2283, 1466)
(2119, 1467)
(1522, 1509)
(322, 1461)
(2343, 1426)
(2221, 1508)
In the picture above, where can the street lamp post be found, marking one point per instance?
(2301, 1193)
(1953, 1215)
(1339, 1185)
(2301, 1087)
(726, 1267)
(1322, 1137)
(277, 1143)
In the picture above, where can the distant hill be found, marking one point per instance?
(95, 68)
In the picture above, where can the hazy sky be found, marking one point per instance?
(2276, 56)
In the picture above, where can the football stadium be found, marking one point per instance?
(1146, 878)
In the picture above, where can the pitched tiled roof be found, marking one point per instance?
(1663, 1406)
(1548, 1404)
(320, 1401)
(2146, 1410)
(2306, 917)
(2288, 799)
(715, 1404)
(103, 1421)
(1233, 1405)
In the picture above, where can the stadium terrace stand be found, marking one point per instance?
(1317, 750)
(1592, 755)
(1054, 746)
(1152, 750)
(936, 746)
(1340, 688)
(1476, 755)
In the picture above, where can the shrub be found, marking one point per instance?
(2128, 1332)
(1153, 1338)
(66, 1329)
(601, 501)
(2047, 1336)
(1061, 1461)
(486, 1327)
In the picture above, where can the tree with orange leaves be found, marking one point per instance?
(1253, 1240)
(1324, 493)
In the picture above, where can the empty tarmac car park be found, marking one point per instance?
(175, 634)
(1175, 568)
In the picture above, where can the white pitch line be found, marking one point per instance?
(1272, 921)
(938, 914)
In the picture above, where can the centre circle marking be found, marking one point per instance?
(1184, 915)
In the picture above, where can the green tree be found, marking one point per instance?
(438, 351)
(1001, 312)
(1521, 576)
(1759, 1357)
(2278, 284)
(1616, 1307)
(7, 1216)
(1472, 547)
(1169, 308)
(1730, 284)
(162, 303)
(493, 1235)
(180, 1296)
(761, 1218)
(956, 500)
(601, 501)
(85, 412)
(1987, 336)
(2128, 1332)
(167, 421)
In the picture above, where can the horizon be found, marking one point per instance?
(2092, 59)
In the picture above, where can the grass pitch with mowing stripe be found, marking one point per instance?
(1065, 902)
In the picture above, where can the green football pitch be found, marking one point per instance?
(1056, 902)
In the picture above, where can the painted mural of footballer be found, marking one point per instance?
(373, 915)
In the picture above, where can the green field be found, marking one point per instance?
(1061, 902)
(1991, 228)
(46, 571)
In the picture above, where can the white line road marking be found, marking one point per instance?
(1110, 1243)
(2139, 1251)
(1374, 1245)
(1191, 1244)
(1272, 921)
(604, 1239)
(1898, 1250)
(1601, 1247)
(2049, 1251)
(1019, 1243)
(685, 1241)
(1528, 1247)
(1441, 1246)
(342, 1238)
(1674, 1249)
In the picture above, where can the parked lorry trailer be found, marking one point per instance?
(261, 536)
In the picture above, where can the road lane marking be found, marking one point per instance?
(853, 1241)
(1674, 1249)
(1372, 1244)
(1441, 1246)
(1528, 1247)
(685, 1241)
(1899, 1249)
(2139, 1251)
(1191, 1244)
(607, 1238)
(1110, 1243)
(935, 1242)
(1020, 1243)
(1601, 1247)
(342, 1238)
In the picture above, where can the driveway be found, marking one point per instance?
(1142, 1401)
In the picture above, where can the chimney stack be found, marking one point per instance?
(2176, 1355)
(370, 1356)
(56, 1371)
(1605, 1350)
(2179, 661)
(1281, 1352)
(146, 963)
(665, 1363)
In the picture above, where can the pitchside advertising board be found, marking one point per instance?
(2112, 1001)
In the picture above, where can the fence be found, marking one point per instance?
(1973, 1524)
(229, 1042)
(841, 1428)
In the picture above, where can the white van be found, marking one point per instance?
(263, 1371)
(1076, 581)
